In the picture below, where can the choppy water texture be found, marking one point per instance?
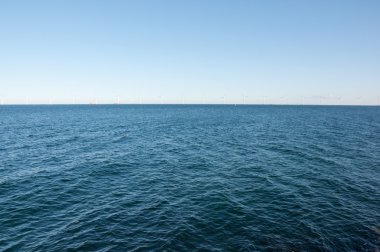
(186, 178)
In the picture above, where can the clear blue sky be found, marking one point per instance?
(283, 51)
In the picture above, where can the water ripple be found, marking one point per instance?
(199, 178)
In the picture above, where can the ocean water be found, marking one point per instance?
(189, 178)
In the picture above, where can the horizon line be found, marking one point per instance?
(186, 104)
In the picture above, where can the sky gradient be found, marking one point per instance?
(199, 51)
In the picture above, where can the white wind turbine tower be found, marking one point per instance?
(359, 98)
(339, 98)
(264, 100)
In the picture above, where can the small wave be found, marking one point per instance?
(120, 139)
(22, 174)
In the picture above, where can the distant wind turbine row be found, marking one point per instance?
(244, 100)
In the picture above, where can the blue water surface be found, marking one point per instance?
(189, 178)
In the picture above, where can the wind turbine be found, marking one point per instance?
(264, 100)
(339, 98)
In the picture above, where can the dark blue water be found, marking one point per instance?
(187, 178)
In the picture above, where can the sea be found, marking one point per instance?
(189, 178)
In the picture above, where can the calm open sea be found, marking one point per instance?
(186, 178)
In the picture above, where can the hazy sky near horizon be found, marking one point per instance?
(170, 51)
